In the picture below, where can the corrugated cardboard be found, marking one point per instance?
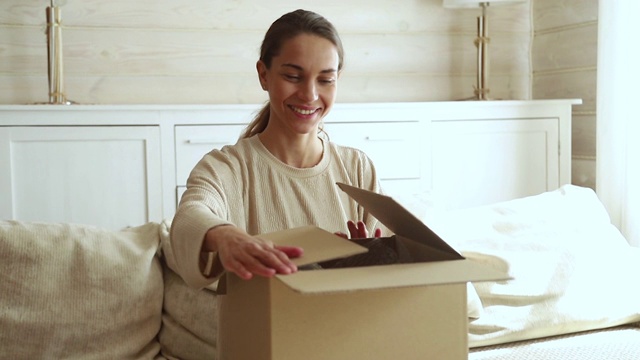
(400, 311)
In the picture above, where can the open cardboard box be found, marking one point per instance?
(415, 310)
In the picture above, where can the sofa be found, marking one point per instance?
(72, 291)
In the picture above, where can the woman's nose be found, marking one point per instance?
(308, 91)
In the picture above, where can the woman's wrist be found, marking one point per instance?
(210, 265)
(211, 238)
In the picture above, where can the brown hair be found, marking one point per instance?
(287, 27)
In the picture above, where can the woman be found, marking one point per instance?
(281, 174)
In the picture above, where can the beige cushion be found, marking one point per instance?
(190, 316)
(72, 291)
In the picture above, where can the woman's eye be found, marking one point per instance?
(291, 77)
(327, 81)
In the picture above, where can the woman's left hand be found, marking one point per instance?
(358, 231)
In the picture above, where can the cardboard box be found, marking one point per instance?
(415, 310)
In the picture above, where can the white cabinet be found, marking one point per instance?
(121, 165)
(477, 162)
(106, 176)
(394, 147)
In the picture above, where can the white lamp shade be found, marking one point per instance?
(453, 4)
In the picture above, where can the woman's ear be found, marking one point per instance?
(262, 74)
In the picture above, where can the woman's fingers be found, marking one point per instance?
(292, 252)
(278, 258)
(359, 230)
(353, 229)
(261, 259)
(232, 265)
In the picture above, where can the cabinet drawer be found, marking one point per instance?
(194, 141)
(393, 147)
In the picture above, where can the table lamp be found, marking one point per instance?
(482, 40)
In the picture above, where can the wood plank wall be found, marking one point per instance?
(204, 51)
(564, 57)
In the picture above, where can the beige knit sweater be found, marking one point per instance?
(245, 185)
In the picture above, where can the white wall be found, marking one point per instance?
(204, 51)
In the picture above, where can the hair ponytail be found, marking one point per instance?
(259, 122)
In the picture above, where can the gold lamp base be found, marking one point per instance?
(54, 56)
(481, 90)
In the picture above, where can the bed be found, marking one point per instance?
(574, 292)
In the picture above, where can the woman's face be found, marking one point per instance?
(302, 83)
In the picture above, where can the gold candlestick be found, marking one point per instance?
(54, 56)
(482, 44)
(481, 89)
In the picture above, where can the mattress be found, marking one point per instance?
(616, 343)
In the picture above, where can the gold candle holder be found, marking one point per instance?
(481, 89)
(54, 56)
(482, 44)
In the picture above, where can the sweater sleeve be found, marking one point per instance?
(202, 207)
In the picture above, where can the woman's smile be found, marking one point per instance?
(303, 111)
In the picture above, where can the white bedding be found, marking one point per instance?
(572, 270)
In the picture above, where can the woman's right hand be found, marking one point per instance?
(358, 231)
(247, 255)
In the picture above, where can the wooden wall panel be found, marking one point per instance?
(564, 60)
(572, 83)
(583, 172)
(205, 50)
(353, 16)
(584, 135)
(549, 14)
(572, 48)
(165, 52)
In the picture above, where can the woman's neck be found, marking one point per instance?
(302, 151)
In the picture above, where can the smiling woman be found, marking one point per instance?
(280, 175)
(302, 86)
(285, 29)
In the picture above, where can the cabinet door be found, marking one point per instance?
(394, 148)
(478, 162)
(105, 176)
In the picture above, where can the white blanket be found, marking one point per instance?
(572, 270)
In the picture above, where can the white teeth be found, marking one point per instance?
(303, 112)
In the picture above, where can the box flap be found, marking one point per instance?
(390, 276)
(399, 220)
(318, 244)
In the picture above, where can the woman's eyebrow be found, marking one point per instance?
(300, 68)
